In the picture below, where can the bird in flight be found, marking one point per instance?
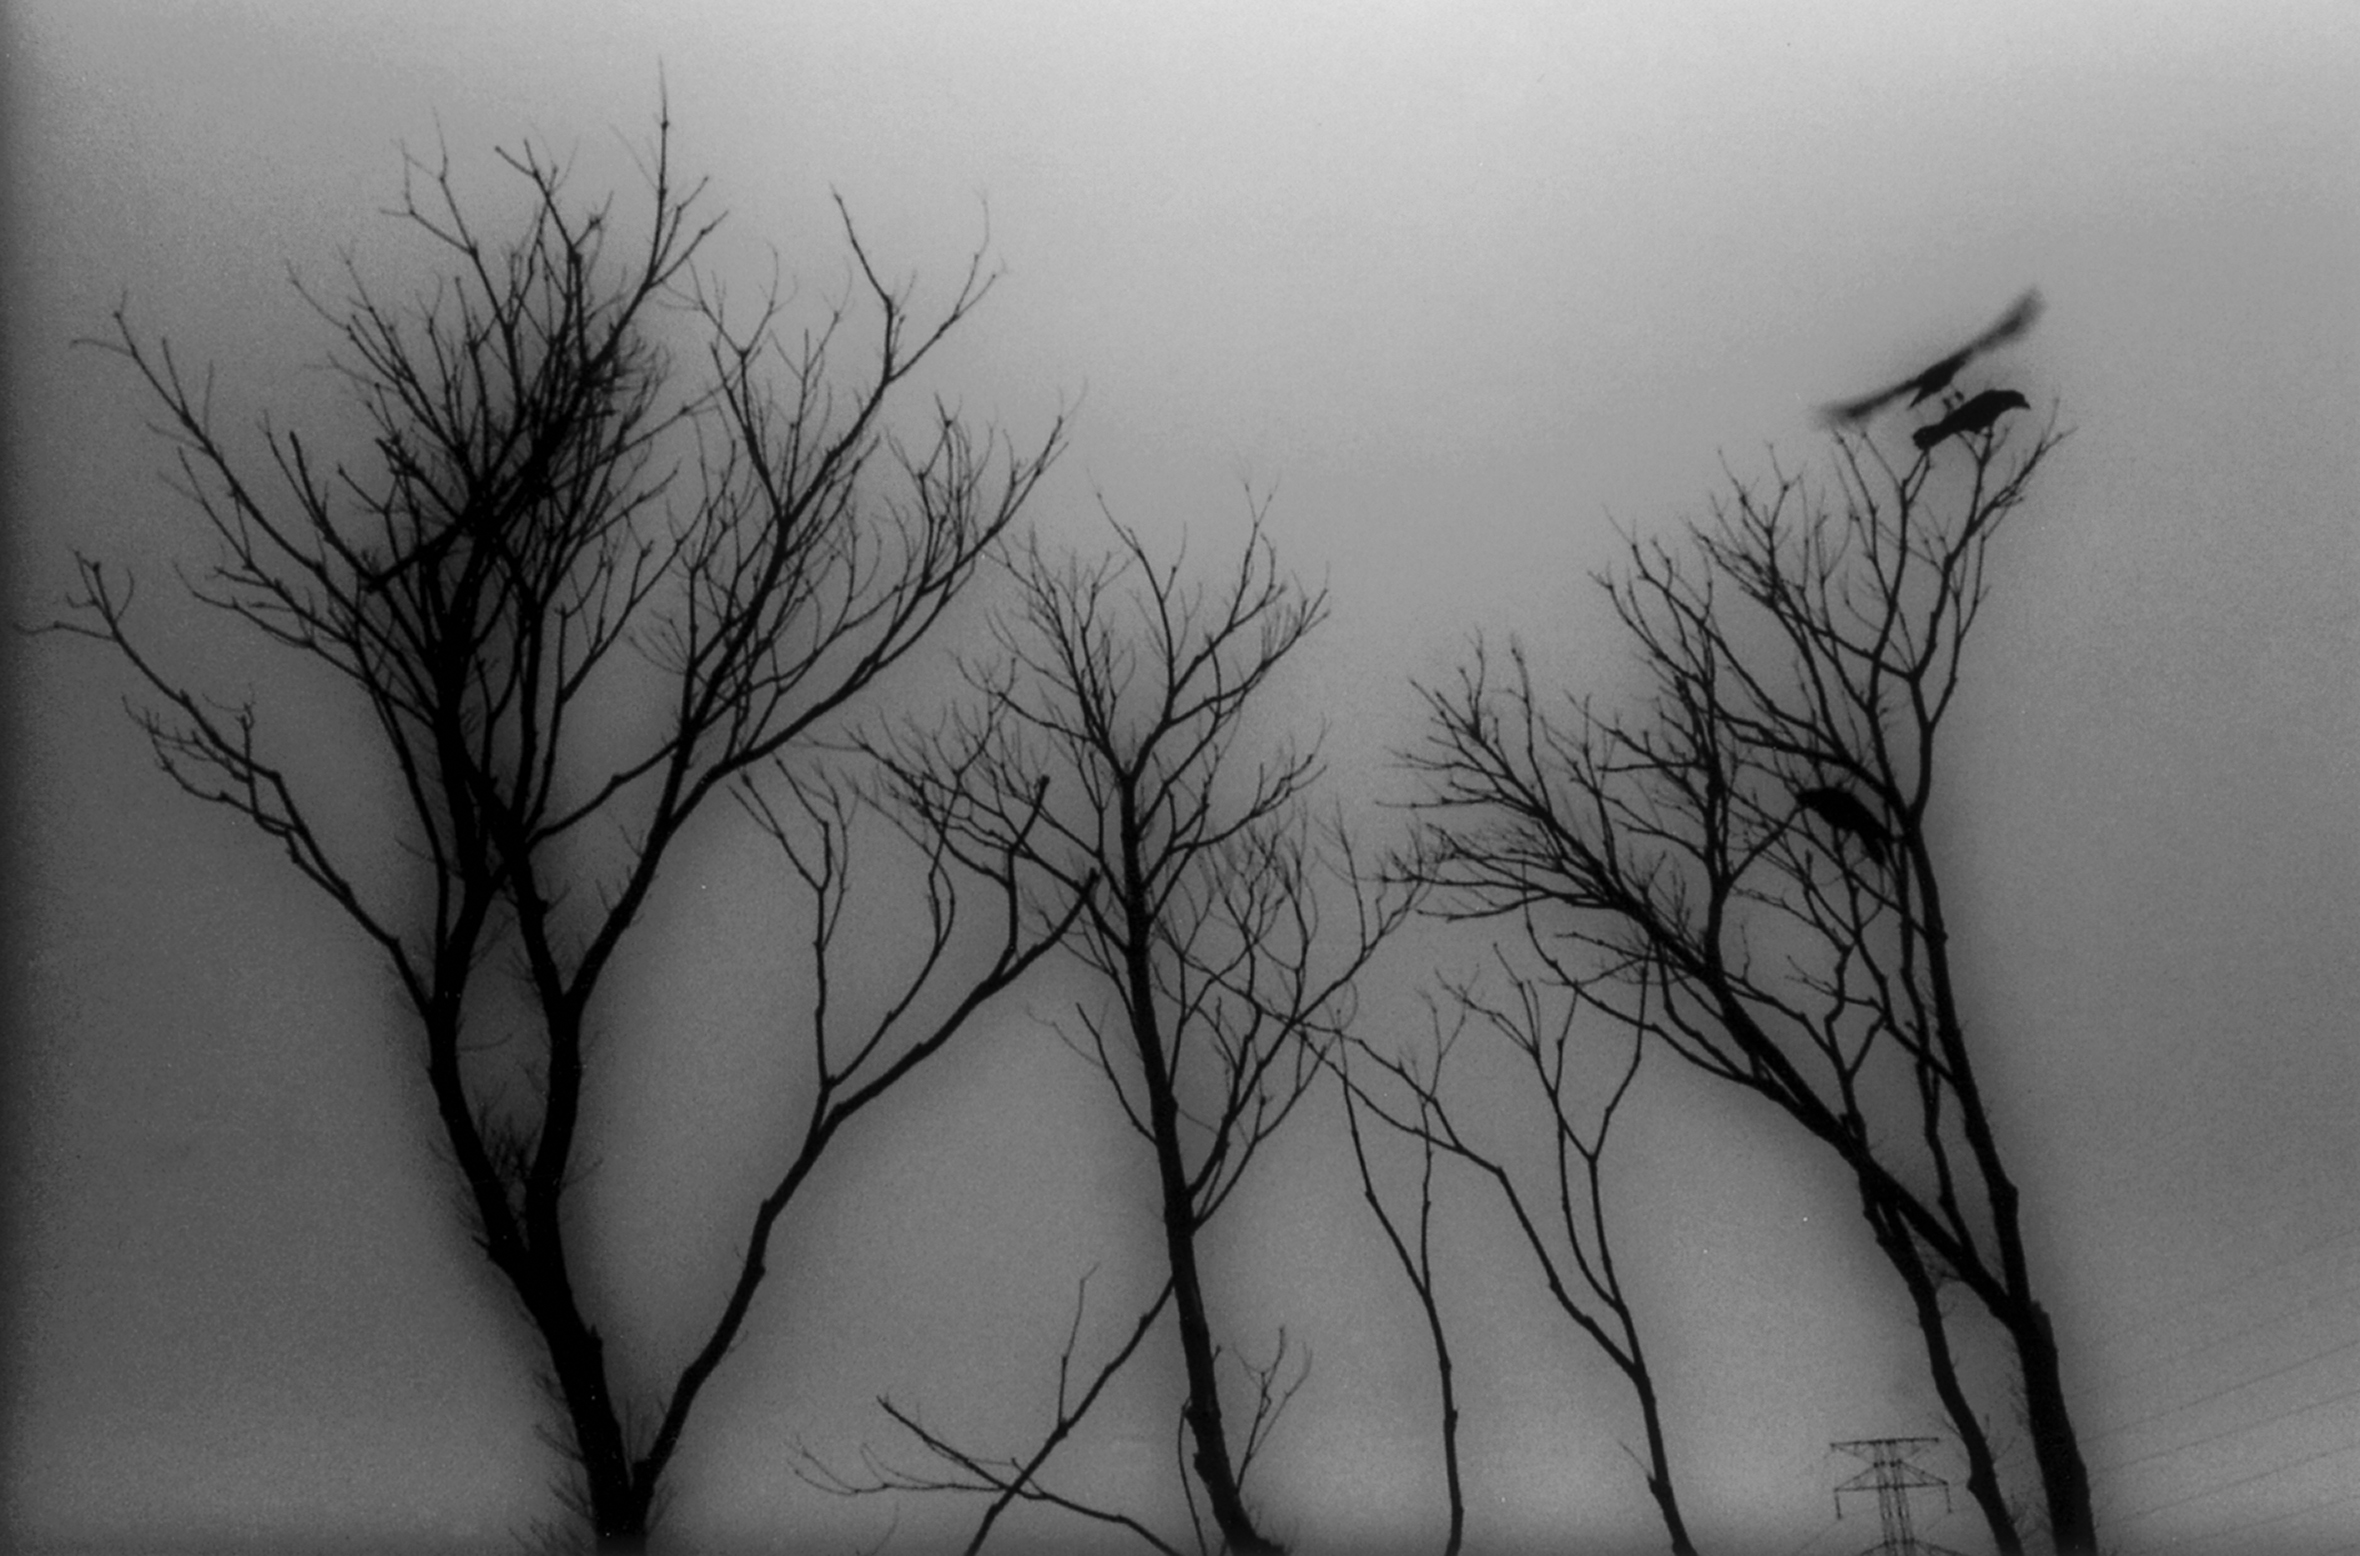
(1975, 415)
(1931, 382)
(1845, 813)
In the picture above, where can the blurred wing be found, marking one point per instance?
(1849, 411)
(2013, 323)
(2021, 316)
(1937, 378)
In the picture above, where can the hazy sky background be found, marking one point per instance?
(1464, 286)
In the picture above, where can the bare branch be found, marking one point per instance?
(1738, 866)
(467, 571)
(1111, 719)
(1005, 1480)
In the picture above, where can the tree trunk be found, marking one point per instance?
(2073, 1526)
(2064, 1478)
(617, 1505)
(1450, 1433)
(1982, 1468)
(1213, 1470)
(1659, 1473)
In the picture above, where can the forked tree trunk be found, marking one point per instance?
(1211, 1459)
(1982, 1466)
(1214, 1468)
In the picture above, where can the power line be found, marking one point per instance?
(2222, 1392)
(2249, 1277)
(1821, 1534)
(2242, 1480)
(2259, 1523)
(2200, 1347)
(2231, 1431)
(1816, 1471)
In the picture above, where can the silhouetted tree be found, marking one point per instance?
(1418, 1264)
(1115, 709)
(1924, 1281)
(1786, 647)
(1563, 1219)
(510, 522)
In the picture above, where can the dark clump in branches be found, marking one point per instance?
(511, 549)
(1789, 649)
(1848, 816)
(1977, 414)
(1116, 709)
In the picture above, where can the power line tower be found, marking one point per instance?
(1892, 1476)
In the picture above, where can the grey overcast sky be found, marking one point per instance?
(1463, 286)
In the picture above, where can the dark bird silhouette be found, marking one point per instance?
(1925, 385)
(1975, 415)
(1845, 813)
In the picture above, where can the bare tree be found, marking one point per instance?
(516, 519)
(1418, 1264)
(1115, 710)
(1743, 866)
(1563, 1222)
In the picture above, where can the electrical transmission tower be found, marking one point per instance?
(1892, 1476)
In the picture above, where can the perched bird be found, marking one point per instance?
(1937, 378)
(1975, 415)
(1845, 813)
